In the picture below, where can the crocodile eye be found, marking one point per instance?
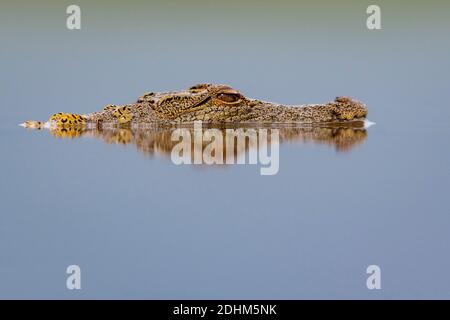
(228, 97)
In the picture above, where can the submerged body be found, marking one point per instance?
(209, 103)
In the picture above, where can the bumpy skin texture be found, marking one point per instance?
(214, 104)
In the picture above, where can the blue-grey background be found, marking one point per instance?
(141, 227)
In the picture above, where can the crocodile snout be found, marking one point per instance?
(346, 108)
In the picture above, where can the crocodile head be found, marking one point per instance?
(221, 104)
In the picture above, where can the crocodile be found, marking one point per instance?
(211, 104)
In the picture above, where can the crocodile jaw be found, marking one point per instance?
(342, 110)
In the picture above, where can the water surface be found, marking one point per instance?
(140, 226)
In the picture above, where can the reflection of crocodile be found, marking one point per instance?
(158, 140)
(211, 104)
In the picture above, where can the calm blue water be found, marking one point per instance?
(141, 227)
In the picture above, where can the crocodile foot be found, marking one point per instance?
(123, 115)
(67, 120)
